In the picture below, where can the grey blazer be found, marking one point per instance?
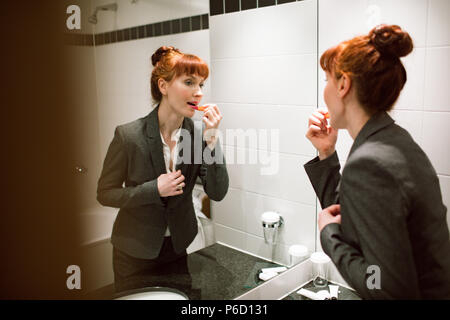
(392, 214)
(135, 157)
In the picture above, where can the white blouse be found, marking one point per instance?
(170, 156)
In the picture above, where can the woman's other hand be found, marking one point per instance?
(171, 184)
(332, 214)
(321, 134)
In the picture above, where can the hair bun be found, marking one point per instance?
(391, 40)
(161, 52)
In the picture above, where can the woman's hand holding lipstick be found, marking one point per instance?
(211, 118)
(321, 134)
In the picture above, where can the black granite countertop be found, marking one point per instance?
(222, 273)
(343, 293)
(216, 272)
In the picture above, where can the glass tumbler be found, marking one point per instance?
(320, 268)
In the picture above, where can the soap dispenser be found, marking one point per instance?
(271, 222)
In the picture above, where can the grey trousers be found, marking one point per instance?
(169, 269)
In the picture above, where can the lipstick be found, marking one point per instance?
(194, 106)
(200, 108)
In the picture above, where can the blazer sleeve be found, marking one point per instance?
(324, 176)
(110, 189)
(372, 201)
(213, 174)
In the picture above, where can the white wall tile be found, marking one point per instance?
(411, 121)
(299, 219)
(226, 35)
(271, 30)
(410, 15)
(277, 253)
(288, 182)
(437, 79)
(321, 83)
(411, 96)
(341, 20)
(344, 144)
(438, 29)
(436, 133)
(231, 210)
(227, 80)
(252, 244)
(241, 211)
(266, 31)
(345, 19)
(289, 123)
(229, 236)
(283, 80)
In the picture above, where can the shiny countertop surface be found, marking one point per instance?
(216, 272)
(222, 273)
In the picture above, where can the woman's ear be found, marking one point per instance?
(162, 85)
(344, 85)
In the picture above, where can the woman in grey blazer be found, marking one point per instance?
(383, 221)
(158, 158)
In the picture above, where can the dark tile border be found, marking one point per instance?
(232, 6)
(79, 39)
(217, 7)
(186, 24)
(248, 4)
(266, 3)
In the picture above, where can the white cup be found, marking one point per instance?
(297, 254)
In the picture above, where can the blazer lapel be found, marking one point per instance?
(155, 143)
(377, 122)
(184, 167)
(338, 188)
(156, 150)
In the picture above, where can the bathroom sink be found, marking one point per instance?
(151, 293)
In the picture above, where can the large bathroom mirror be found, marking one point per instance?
(263, 77)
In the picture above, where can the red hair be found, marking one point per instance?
(372, 62)
(169, 62)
